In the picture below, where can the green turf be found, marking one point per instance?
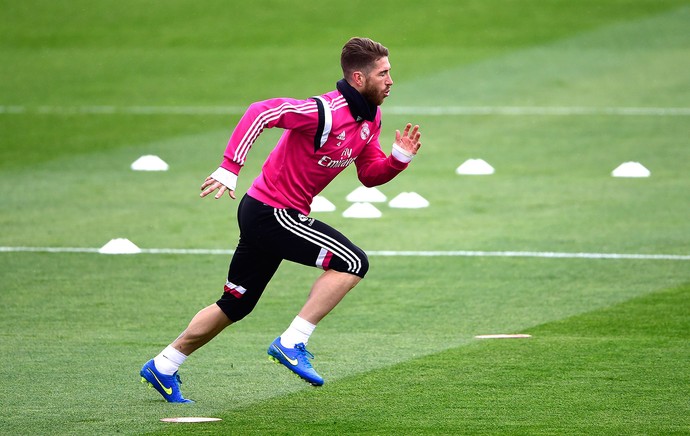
(619, 370)
(609, 352)
(86, 345)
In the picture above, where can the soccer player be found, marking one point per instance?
(322, 136)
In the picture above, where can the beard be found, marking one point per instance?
(373, 95)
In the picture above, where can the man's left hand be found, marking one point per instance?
(409, 139)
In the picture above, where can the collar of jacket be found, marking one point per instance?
(360, 108)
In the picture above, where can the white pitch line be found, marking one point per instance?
(384, 253)
(542, 254)
(48, 249)
(394, 110)
(539, 110)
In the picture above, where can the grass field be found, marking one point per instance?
(553, 94)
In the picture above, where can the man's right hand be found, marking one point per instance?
(211, 184)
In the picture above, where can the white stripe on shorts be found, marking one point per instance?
(354, 263)
(322, 256)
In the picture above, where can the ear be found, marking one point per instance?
(358, 78)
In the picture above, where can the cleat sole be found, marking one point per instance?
(275, 360)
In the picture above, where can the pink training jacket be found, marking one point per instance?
(322, 137)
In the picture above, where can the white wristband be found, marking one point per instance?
(401, 154)
(227, 178)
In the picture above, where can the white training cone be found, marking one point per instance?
(119, 246)
(362, 210)
(409, 200)
(366, 195)
(149, 163)
(631, 169)
(321, 204)
(475, 167)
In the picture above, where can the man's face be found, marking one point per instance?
(378, 82)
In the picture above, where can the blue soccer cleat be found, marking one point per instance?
(166, 385)
(296, 360)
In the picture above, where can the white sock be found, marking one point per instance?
(299, 331)
(169, 360)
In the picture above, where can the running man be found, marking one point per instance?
(322, 136)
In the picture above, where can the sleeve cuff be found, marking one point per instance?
(225, 177)
(401, 154)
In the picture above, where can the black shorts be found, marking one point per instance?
(269, 235)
